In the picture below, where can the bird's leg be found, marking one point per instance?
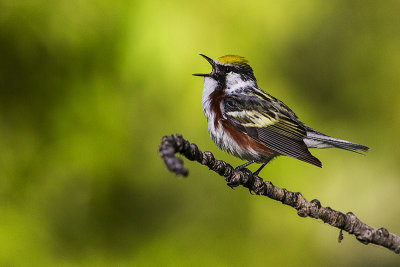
(262, 166)
(244, 165)
(259, 169)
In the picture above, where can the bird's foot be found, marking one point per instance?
(245, 178)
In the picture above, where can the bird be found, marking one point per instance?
(251, 124)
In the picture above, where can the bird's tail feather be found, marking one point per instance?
(319, 140)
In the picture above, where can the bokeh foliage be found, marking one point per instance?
(88, 88)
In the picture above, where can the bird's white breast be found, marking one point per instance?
(220, 137)
(216, 133)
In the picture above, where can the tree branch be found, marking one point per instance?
(347, 222)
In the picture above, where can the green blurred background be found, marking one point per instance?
(88, 88)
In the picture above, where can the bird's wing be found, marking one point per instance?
(269, 122)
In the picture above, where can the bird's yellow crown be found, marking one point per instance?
(232, 59)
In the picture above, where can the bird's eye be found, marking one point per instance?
(227, 69)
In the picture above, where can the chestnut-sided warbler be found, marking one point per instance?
(251, 124)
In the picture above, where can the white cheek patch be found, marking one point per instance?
(232, 79)
(234, 82)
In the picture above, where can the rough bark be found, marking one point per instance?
(347, 222)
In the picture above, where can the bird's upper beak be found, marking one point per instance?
(211, 61)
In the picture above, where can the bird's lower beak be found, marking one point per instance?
(211, 61)
(201, 74)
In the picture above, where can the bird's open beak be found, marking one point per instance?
(211, 61)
